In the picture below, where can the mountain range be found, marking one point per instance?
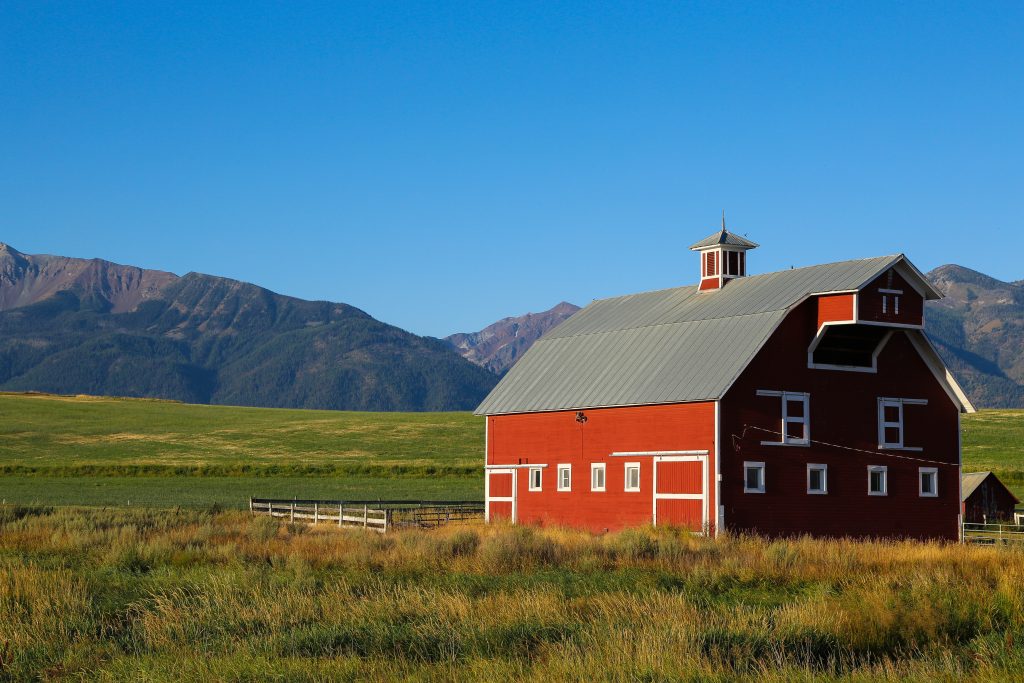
(90, 326)
(71, 325)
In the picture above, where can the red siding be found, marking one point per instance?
(709, 283)
(843, 411)
(834, 307)
(557, 438)
(911, 303)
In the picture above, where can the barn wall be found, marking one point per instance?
(834, 307)
(557, 438)
(911, 303)
(843, 411)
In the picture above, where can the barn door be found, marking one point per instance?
(500, 494)
(680, 491)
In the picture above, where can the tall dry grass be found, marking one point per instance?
(151, 595)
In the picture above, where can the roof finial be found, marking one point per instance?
(723, 220)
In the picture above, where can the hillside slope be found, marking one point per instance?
(978, 329)
(75, 326)
(499, 345)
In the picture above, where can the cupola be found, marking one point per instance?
(723, 256)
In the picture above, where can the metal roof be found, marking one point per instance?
(725, 238)
(668, 346)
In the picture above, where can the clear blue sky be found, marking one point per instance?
(443, 165)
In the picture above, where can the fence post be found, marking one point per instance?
(250, 506)
(316, 512)
(292, 518)
(341, 513)
(366, 516)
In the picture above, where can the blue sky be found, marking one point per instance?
(442, 165)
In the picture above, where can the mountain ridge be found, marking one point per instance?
(91, 326)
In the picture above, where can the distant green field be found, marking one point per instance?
(42, 433)
(106, 451)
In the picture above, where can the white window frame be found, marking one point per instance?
(539, 473)
(596, 467)
(629, 466)
(884, 470)
(567, 486)
(761, 477)
(898, 403)
(934, 473)
(824, 479)
(787, 396)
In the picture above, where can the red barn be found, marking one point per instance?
(807, 401)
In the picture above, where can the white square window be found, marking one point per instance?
(817, 479)
(928, 486)
(632, 477)
(535, 478)
(597, 476)
(753, 477)
(565, 477)
(878, 480)
(795, 426)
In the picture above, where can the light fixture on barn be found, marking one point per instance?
(581, 417)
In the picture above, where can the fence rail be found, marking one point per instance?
(989, 534)
(374, 515)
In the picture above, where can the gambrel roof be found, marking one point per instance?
(679, 345)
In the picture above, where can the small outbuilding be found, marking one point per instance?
(985, 498)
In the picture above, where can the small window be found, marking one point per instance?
(929, 482)
(796, 418)
(535, 478)
(817, 479)
(878, 480)
(565, 477)
(597, 476)
(632, 478)
(753, 477)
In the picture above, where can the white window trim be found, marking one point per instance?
(529, 479)
(596, 467)
(625, 480)
(885, 480)
(824, 479)
(747, 465)
(898, 403)
(786, 397)
(564, 468)
(921, 471)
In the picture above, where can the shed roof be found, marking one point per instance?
(668, 346)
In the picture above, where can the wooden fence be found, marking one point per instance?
(990, 534)
(374, 515)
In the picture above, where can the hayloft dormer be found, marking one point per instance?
(723, 256)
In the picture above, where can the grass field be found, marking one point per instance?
(104, 451)
(128, 595)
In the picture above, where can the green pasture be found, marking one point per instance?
(109, 451)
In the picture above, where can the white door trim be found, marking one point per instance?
(488, 498)
(703, 496)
